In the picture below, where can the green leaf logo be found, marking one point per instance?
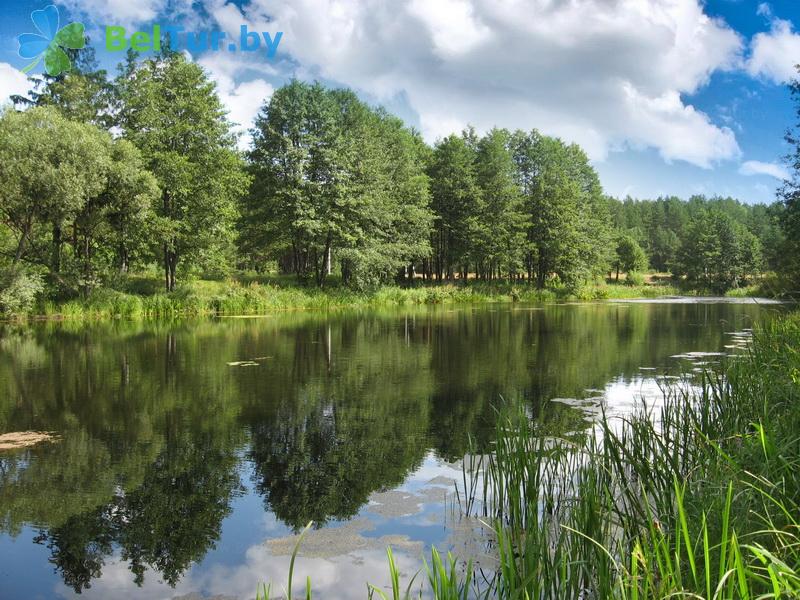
(50, 41)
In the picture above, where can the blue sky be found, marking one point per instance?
(668, 97)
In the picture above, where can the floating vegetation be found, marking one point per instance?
(24, 439)
(344, 539)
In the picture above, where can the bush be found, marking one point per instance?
(634, 278)
(18, 291)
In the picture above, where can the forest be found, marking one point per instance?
(104, 178)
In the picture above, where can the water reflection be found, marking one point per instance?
(184, 446)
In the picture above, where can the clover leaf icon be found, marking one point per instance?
(50, 40)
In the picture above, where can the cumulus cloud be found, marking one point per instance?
(243, 99)
(775, 53)
(12, 82)
(604, 73)
(755, 167)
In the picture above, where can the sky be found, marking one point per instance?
(667, 97)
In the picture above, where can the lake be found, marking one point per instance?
(189, 454)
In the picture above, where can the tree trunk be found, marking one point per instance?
(20, 246)
(56, 259)
(170, 267)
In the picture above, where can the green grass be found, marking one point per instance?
(698, 499)
(141, 297)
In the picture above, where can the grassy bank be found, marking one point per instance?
(697, 499)
(141, 298)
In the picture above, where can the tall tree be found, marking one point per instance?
(170, 110)
(568, 233)
(790, 196)
(335, 181)
(501, 221)
(82, 93)
(455, 197)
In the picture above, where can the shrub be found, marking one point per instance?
(18, 291)
(634, 278)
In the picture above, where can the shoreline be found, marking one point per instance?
(204, 298)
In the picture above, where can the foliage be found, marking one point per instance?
(567, 233)
(18, 291)
(454, 200)
(629, 256)
(331, 191)
(718, 252)
(668, 230)
(335, 181)
(171, 112)
(790, 197)
(74, 199)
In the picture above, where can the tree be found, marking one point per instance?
(299, 204)
(59, 175)
(718, 252)
(568, 231)
(394, 221)
(335, 180)
(81, 94)
(170, 110)
(455, 197)
(629, 256)
(790, 197)
(501, 222)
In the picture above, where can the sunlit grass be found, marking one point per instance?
(141, 297)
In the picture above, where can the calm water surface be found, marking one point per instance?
(191, 452)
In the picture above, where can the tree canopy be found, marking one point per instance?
(102, 177)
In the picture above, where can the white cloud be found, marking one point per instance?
(774, 54)
(12, 82)
(452, 25)
(243, 102)
(604, 73)
(341, 578)
(755, 167)
(244, 99)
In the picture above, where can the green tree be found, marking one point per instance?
(501, 222)
(82, 94)
(455, 198)
(568, 229)
(790, 197)
(300, 204)
(170, 110)
(717, 252)
(335, 180)
(629, 256)
(59, 175)
(395, 219)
